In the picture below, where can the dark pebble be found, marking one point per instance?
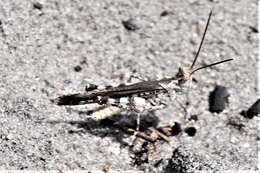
(254, 110)
(130, 25)
(194, 117)
(71, 131)
(176, 128)
(42, 159)
(164, 13)
(218, 99)
(191, 131)
(253, 29)
(77, 68)
(37, 5)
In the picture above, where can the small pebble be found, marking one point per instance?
(77, 68)
(199, 28)
(254, 110)
(193, 117)
(176, 128)
(191, 131)
(218, 99)
(254, 29)
(130, 25)
(165, 13)
(37, 5)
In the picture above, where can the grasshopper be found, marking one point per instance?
(136, 97)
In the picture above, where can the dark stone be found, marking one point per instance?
(164, 13)
(130, 25)
(191, 131)
(37, 5)
(218, 99)
(176, 128)
(77, 68)
(254, 29)
(254, 110)
(194, 117)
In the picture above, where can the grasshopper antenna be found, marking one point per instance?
(201, 42)
(197, 54)
(210, 65)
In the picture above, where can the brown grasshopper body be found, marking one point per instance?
(135, 96)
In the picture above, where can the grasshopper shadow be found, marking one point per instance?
(111, 127)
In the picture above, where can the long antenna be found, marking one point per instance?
(201, 42)
(216, 63)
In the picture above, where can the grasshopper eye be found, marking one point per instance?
(183, 75)
(180, 73)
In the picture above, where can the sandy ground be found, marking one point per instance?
(40, 46)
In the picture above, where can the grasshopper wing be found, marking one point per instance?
(76, 99)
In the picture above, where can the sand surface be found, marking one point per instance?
(41, 44)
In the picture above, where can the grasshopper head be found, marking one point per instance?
(183, 75)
